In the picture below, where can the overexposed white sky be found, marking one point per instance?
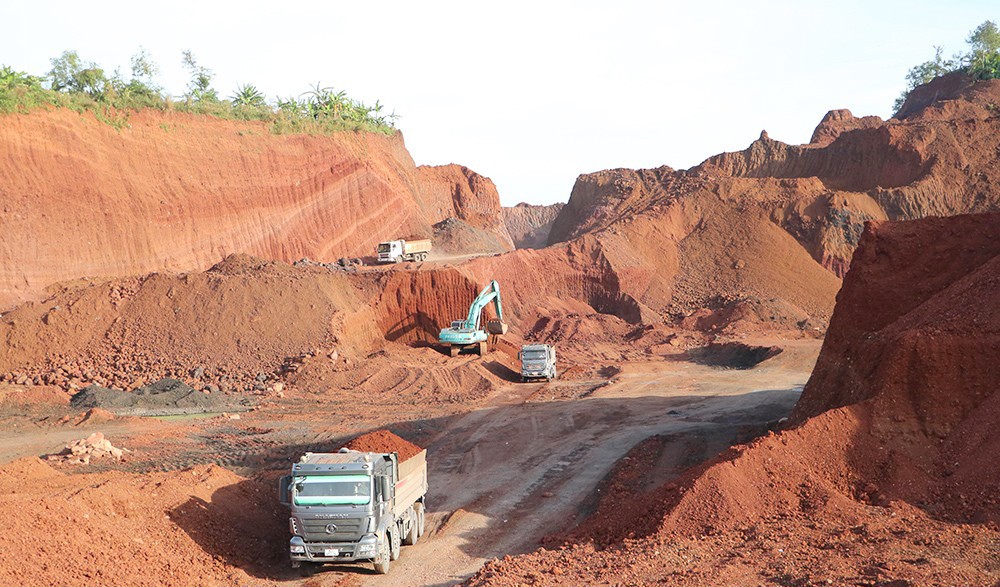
(532, 94)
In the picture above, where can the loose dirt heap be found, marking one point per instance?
(177, 192)
(529, 225)
(457, 192)
(200, 526)
(897, 489)
(95, 446)
(383, 441)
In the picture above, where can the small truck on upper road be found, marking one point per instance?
(354, 506)
(401, 250)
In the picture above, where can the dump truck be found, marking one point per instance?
(401, 250)
(354, 506)
(464, 334)
(538, 361)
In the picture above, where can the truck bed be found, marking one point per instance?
(412, 484)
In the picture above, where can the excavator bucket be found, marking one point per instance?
(496, 327)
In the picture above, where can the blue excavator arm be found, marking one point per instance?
(491, 293)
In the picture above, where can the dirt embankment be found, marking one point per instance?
(201, 526)
(177, 192)
(529, 225)
(779, 223)
(897, 486)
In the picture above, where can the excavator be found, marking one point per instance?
(463, 334)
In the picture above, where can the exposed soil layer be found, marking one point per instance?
(178, 192)
(383, 441)
(898, 488)
(732, 355)
(780, 222)
(529, 225)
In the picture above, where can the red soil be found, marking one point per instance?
(178, 192)
(780, 222)
(200, 526)
(383, 441)
(898, 488)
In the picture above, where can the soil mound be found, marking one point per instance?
(383, 441)
(733, 355)
(200, 526)
(529, 225)
(177, 192)
(454, 237)
(455, 191)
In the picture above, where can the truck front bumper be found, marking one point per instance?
(332, 552)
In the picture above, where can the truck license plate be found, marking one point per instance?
(331, 551)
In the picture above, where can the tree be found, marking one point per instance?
(144, 69)
(925, 72)
(984, 58)
(70, 74)
(200, 86)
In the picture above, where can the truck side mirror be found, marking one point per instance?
(284, 490)
(386, 486)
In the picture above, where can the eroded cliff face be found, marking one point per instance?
(802, 207)
(529, 225)
(179, 192)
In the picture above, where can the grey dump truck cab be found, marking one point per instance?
(538, 361)
(354, 506)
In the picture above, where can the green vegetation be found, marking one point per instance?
(982, 61)
(84, 86)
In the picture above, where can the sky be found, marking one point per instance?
(531, 94)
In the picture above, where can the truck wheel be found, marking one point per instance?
(482, 348)
(394, 544)
(381, 562)
(414, 533)
(420, 518)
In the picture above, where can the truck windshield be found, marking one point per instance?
(384, 247)
(534, 355)
(333, 490)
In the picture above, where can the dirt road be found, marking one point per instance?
(503, 477)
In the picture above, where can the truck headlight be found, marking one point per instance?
(364, 549)
(298, 549)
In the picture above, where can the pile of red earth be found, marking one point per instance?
(889, 477)
(383, 441)
(196, 527)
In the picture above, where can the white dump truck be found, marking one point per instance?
(354, 506)
(538, 361)
(401, 250)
